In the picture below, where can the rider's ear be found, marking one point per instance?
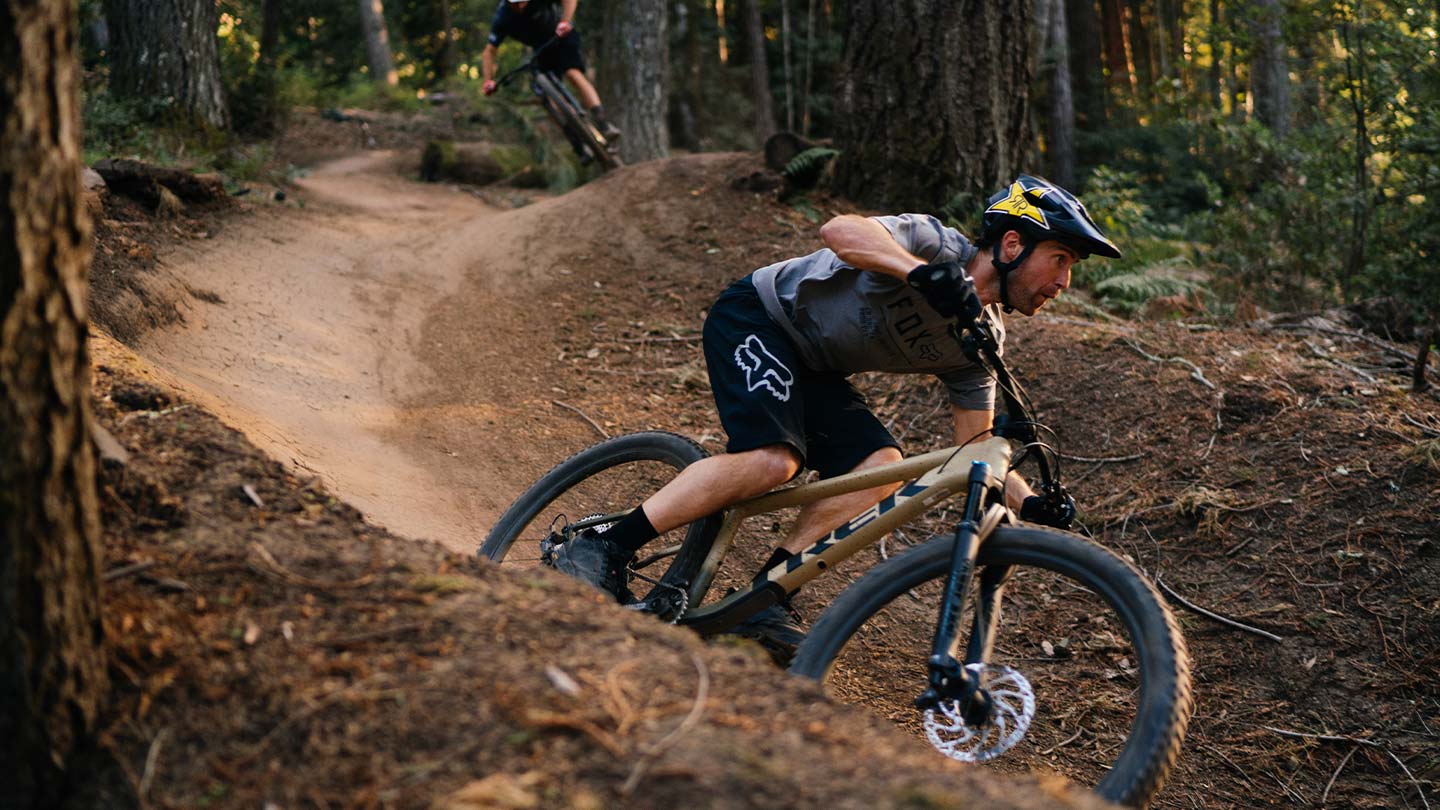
(1011, 245)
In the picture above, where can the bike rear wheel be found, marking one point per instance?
(611, 477)
(576, 124)
(1100, 648)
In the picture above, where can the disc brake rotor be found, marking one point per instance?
(1013, 707)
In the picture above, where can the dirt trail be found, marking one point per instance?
(313, 343)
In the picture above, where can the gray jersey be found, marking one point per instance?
(848, 320)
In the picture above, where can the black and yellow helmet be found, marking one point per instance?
(1041, 210)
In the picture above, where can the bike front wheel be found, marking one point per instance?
(1102, 652)
(611, 477)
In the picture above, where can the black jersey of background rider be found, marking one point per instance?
(534, 26)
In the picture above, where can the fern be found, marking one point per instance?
(1132, 290)
(804, 170)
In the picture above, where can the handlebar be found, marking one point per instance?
(528, 65)
(977, 340)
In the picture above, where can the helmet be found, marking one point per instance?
(1041, 210)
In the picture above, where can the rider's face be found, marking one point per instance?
(1043, 276)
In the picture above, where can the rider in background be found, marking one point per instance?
(880, 296)
(535, 23)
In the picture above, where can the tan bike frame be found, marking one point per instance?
(936, 476)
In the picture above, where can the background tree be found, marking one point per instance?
(377, 42)
(932, 101)
(759, 70)
(165, 51)
(634, 80)
(52, 667)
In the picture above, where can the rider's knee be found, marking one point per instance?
(773, 465)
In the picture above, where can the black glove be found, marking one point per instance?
(1040, 509)
(948, 290)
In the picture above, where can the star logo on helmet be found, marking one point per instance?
(1018, 204)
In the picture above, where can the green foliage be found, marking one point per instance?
(804, 170)
(1131, 291)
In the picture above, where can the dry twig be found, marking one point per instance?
(1110, 460)
(1336, 775)
(1187, 604)
(648, 756)
(582, 415)
(1195, 372)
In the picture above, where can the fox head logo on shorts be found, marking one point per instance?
(761, 368)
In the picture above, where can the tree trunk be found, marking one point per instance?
(1061, 140)
(445, 53)
(52, 665)
(1269, 71)
(809, 67)
(267, 106)
(1117, 61)
(759, 72)
(1214, 39)
(685, 73)
(377, 42)
(634, 78)
(785, 50)
(1086, 76)
(1137, 33)
(166, 49)
(931, 101)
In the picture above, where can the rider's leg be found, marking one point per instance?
(819, 518)
(583, 88)
(713, 483)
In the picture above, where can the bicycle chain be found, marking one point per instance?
(645, 604)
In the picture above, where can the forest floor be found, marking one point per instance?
(412, 356)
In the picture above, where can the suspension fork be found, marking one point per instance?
(948, 679)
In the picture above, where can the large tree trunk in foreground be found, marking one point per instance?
(932, 101)
(52, 667)
(377, 43)
(166, 49)
(635, 78)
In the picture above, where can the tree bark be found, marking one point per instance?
(1061, 140)
(635, 77)
(377, 42)
(52, 665)
(445, 53)
(1117, 61)
(1087, 78)
(164, 50)
(685, 73)
(759, 71)
(932, 101)
(1137, 33)
(1269, 70)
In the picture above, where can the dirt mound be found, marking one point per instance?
(270, 648)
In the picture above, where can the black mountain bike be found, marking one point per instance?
(1084, 635)
(574, 122)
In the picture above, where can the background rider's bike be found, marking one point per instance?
(574, 122)
(1085, 671)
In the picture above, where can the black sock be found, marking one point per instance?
(632, 531)
(777, 556)
(598, 113)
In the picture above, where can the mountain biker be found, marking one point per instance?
(545, 23)
(779, 344)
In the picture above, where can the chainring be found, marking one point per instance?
(1013, 708)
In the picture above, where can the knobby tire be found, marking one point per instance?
(670, 449)
(1165, 701)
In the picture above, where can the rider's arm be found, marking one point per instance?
(567, 10)
(487, 62)
(865, 244)
(970, 422)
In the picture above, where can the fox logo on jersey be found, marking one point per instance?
(761, 368)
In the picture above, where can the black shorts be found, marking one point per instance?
(766, 396)
(562, 54)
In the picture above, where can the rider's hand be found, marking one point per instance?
(1039, 509)
(948, 290)
(489, 87)
(563, 28)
